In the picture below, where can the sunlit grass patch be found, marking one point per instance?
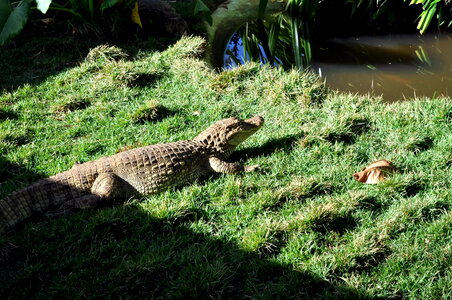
(151, 111)
(104, 54)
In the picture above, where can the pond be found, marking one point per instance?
(398, 67)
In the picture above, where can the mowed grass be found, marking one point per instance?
(300, 227)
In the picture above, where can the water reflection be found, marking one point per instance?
(398, 66)
(236, 55)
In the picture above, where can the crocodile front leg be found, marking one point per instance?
(106, 187)
(221, 166)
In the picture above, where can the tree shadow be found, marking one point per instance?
(40, 52)
(12, 175)
(280, 144)
(125, 252)
(7, 114)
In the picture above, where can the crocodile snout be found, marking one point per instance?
(257, 121)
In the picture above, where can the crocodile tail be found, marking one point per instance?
(12, 212)
(22, 204)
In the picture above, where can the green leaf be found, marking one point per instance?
(427, 16)
(75, 4)
(273, 36)
(5, 11)
(262, 7)
(233, 57)
(423, 56)
(200, 7)
(43, 5)
(109, 3)
(296, 43)
(307, 51)
(209, 19)
(12, 20)
(91, 9)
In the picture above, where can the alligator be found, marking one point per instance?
(136, 172)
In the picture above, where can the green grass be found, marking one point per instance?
(298, 228)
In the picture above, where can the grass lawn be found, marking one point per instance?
(301, 227)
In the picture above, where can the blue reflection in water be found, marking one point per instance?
(397, 67)
(235, 54)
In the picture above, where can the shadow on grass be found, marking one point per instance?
(12, 176)
(280, 144)
(7, 114)
(152, 113)
(144, 79)
(124, 251)
(38, 53)
(336, 223)
(31, 61)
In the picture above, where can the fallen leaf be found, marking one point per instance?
(136, 16)
(375, 172)
(47, 21)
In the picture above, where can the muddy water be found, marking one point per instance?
(398, 67)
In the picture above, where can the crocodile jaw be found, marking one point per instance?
(224, 136)
(245, 129)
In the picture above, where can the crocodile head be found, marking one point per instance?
(225, 135)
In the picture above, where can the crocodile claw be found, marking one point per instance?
(251, 168)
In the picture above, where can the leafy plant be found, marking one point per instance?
(203, 10)
(14, 15)
(282, 39)
(12, 19)
(430, 9)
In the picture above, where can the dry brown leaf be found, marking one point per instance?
(47, 21)
(375, 172)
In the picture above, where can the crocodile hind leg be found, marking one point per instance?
(106, 187)
(221, 166)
